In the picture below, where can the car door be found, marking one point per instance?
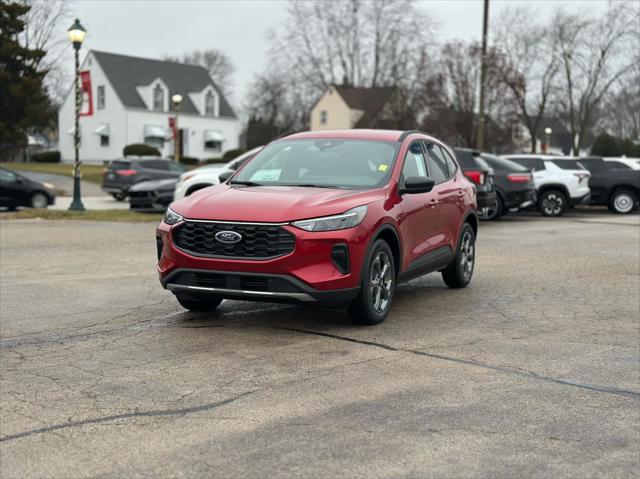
(419, 224)
(599, 181)
(449, 193)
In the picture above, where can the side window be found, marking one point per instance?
(155, 165)
(593, 165)
(437, 163)
(451, 163)
(539, 166)
(414, 164)
(617, 165)
(177, 167)
(7, 176)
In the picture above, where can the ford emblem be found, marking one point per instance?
(228, 237)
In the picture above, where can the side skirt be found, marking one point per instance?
(427, 263)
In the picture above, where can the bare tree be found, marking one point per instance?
(451, 96)
(528, 65)
(45, 25)
(356, 43)
(594, 55)
(217, 63)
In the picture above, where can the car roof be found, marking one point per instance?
(355, 134)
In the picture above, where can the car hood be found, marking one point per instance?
(270, 204)
(152, 185)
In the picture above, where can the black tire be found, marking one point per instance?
(623, 201)
(39, 200)
(378, 285)
(208, 304)
(460, 271)
(552, 203)
(495, 212)
(119, 196)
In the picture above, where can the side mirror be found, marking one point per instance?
(225, 175)
(417, 184)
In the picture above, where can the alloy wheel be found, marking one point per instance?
(467, 255)
(39, 201)
(552, 204)
(381, 282)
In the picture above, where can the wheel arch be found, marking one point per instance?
(389, 233)
(472, 218)
(555, 186)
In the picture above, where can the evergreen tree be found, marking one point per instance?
(24, 103)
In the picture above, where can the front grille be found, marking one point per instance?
(234, 281)
(258, 241)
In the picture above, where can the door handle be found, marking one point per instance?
(460, 192)
(433, 202)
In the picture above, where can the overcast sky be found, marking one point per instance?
(240, 27)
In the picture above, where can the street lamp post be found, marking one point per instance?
(547, 139)
(177, 101)
(76, 35)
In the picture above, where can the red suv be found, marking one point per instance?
(333, 217)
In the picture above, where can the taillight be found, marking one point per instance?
(519, 177)
(126, 172)
(581, 176)
(478, 177)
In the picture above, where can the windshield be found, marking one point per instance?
(328, 163)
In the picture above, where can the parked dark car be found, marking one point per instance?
(514, 186)
(17, 190)
(120, 175)
(480, 173)
(614, 183)
(152, 196)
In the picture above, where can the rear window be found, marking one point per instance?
(502, 164)
(120, 165)
(568, 164)
(466, 160)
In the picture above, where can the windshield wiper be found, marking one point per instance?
(315, 185)
(245, 183)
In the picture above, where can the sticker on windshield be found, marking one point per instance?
(383, 167)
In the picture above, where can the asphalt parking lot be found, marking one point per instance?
(533, 370)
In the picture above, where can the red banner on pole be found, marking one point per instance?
(172, 126)
(86, 108)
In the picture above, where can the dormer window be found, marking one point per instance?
(158, 98)
(209, 104)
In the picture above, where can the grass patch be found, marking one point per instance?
(92, 215)
(92, 173)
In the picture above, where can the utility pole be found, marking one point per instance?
(483, 74)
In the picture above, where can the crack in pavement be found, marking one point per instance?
(473, 362)
(162, 412)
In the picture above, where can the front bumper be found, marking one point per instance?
(581, 200)
(150, 201)
(520, 199)
(309, 272)
(193, 283)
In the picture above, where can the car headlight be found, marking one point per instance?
(48, 186)
(171, 217)
(349, 219)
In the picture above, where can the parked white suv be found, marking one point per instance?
(561, 182)
(208, 175)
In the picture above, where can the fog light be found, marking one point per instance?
(159, 245)
(340, 258)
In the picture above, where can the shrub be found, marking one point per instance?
(140, 149)
(214, 160)
(189, 160)
(606, 145)
(231, 154)
(46, 157)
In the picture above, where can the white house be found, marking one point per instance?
(132, 104)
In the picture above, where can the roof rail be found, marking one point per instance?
(409, 132)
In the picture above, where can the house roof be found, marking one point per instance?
(126, 73)
(370, 100)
